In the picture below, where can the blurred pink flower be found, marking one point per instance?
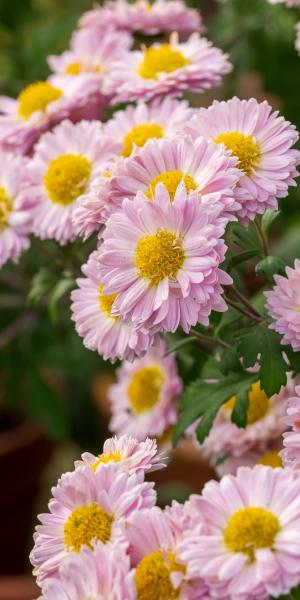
(291, 439)
(283, 305)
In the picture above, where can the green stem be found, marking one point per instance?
(242, 310)
(262, 236)
(245, 301)
(205, 338)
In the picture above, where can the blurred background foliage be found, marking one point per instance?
(45, 370)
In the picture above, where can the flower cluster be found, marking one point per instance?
(104, 537)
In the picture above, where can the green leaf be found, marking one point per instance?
(243, 257)
(42, 283)
(260, 340)
(59, 290)
(180, 343)
(268, 218)
(269, 266)
(294, 359)
(246, 239)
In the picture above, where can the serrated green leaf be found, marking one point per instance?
(294, 359)
(42, 282)
(270, 266)
(239, 413)
(268, 218)
(246, 239)
(243, 257)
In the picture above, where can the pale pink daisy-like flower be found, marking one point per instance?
(287, 2)
(100, 573)
(167, 68)
(87, 507)
(91, 311)
(204, 167)
(266, 422)
(15, 208)
(133, 456)
(162, 260)
(141, 15)
(291, 439)
(283, 305)
(269, 456)
(144, 399)
(94, 209)
(64, 164)
(40, 106)
(250, 547)
(261, 140)
(154, 550)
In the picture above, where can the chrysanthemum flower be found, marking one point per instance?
(287, 2)
(251, 546)
(41, 105)
(268, 456)
(266, 422)
(87, 507)
(291, 439)
(102, 573)
(204, 167)
(159, 570)
(143, 401)
(133, 456)
(91, 311)
(64, 164)
(162, 260)
(141, 15)
(15, 208)
(261, 140)
(283, 303)
(167, 68)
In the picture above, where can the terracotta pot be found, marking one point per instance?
(24, 451)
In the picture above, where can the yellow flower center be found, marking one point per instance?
(152, 577)
(171, 181)
(139, 136)
(67, 177)
(258, 407)
(144, 388)
(106, 301)
(37, 96)
(85, 525)
(270, 459)
(249, 529)
(244, 147)
(164, 59)
(158, 256)
(5, 207)
(73, 68)
(107, 457)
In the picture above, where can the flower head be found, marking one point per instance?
(283, 304)
(144, 399)
(291, 438)
(250, 546)
(100, 573)
(141, 15)
(162, 260)
(167, 68)
(65, 163)
(261, 140)
(91, 311)
(15, 208)
(88, 507)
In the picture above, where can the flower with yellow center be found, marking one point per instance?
(270, 458)
(139, 135)
(5, 207)
(158, 256)
(106, 301)
(164, 59)
(244, 147)
(144, 388)
(250, 529)
(85, 525)
(171, 181)
(36, 97)
(152, 577)
(107, 457)
(258, 406)
(67, 177)
(77, 67)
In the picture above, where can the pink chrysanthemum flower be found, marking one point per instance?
(91, 311)
(204, 167)
(43, 104)
(144, 399)
(154, 551)
(167, 68)
(250, 548)
(141, 15)
(283, 304)
(291, 439)
(266, 422)
(15, 208)
(268, 456)
(87, 507)
(64, 164)
(133, 456)
(162, 260)
(261, 140)
(102, 573)
(287, 2)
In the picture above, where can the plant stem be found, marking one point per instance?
(205, 338)
(245, 301)
(242, 310)
(262, 236)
